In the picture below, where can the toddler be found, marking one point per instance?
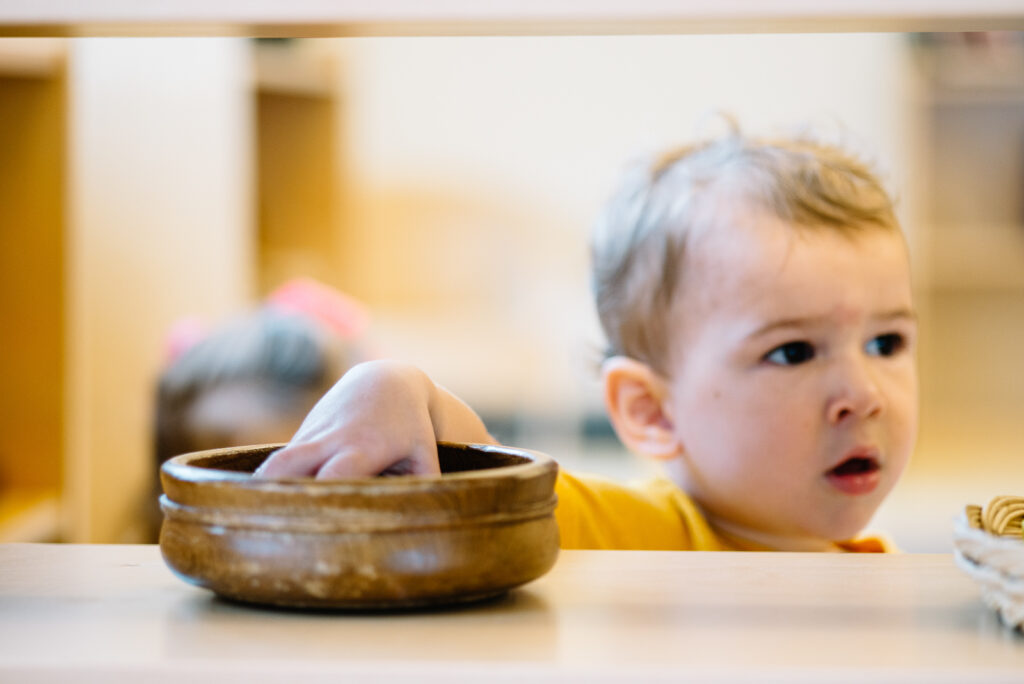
(252, 379)
(756, 299)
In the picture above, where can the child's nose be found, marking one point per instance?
(855, 393)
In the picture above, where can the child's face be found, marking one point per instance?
(793, 386)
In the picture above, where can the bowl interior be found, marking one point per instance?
(453, 458)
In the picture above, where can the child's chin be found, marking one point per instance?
(846, 528)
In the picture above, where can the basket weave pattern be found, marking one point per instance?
(995, 559)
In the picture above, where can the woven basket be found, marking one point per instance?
(996, 564)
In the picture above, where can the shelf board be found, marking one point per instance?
(341, 18)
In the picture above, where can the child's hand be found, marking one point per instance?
(381, 417)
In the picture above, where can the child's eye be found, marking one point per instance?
(791, 353)
(886, 345)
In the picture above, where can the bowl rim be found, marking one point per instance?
(182, 468)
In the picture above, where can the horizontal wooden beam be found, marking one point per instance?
(341, 18)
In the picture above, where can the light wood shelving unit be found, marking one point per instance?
(972, 163)
(32, 306)
(296, 101)
(72, 458)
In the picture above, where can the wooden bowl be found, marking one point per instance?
(484, 526)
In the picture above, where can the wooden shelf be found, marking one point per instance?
(32, 190)
(311, 18)
(294, 69)
(75, 404)
(40, 58)
(28, 515)
(115, 613)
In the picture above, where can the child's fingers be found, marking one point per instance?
(424, 459)
(298, 460)
(351, 464)
(356, 463)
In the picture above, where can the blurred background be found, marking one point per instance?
(449, 184)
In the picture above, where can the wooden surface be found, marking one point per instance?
(497, 17)
(115, 613)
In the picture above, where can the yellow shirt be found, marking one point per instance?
(597, 513)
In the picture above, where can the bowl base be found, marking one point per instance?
(357, 606)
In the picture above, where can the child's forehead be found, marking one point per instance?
(742, 236)
(736, 240)
(752, 258)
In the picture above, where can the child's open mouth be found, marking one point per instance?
(855, 475)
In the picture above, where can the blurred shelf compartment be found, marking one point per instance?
(972, 68)
(293, 67)
(61, 103)
(36, 58)
(977, 257)
(310, 18)
(991, 97)
(29, 515)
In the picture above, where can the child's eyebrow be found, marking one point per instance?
(901, 314)
(898, 314)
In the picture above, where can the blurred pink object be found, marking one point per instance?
(341, 314)
(184, 334)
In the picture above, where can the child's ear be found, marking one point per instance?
(635, 397)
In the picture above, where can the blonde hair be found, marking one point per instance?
(639, 241)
